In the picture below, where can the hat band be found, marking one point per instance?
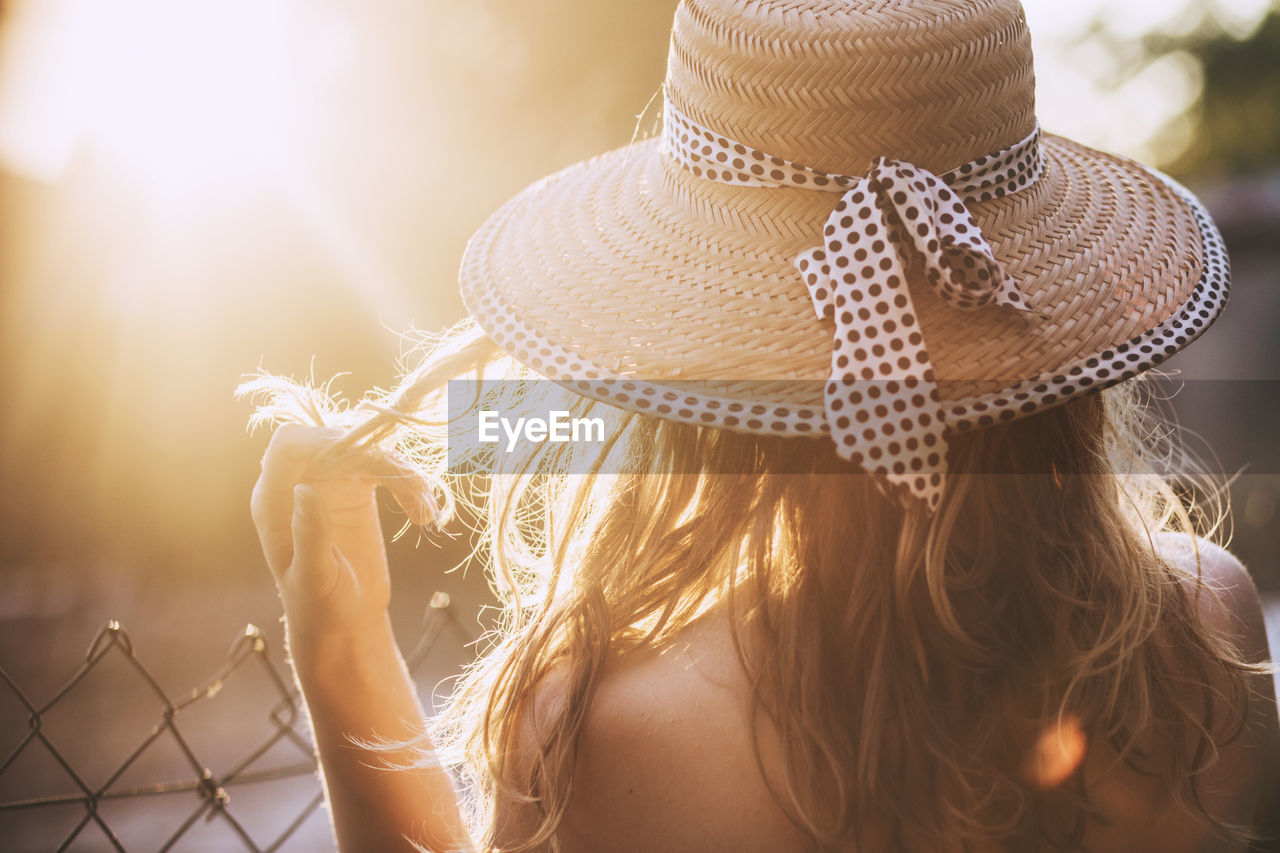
(881, 400)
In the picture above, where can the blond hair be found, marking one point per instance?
(912, 661)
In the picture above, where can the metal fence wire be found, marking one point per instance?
(287, 728)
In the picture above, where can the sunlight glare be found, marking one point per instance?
(1059, 750)
(180, 95)
(187, 95)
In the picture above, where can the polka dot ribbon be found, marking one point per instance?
(882, 403)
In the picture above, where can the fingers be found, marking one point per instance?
(290, 459)
(291, 449)
(312, 531)
(411, 489)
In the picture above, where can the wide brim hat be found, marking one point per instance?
(634, 280)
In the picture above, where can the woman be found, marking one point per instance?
(864, 562)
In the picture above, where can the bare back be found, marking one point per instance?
(666, 760)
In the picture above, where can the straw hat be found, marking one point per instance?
(672, 278)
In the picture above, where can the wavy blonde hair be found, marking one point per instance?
(912, 662)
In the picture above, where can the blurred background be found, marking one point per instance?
(190, 191)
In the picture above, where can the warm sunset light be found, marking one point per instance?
(1087, 87)
(181, 95)
(186, 96)
(379, 202)
(1057, 753)
(174, 114)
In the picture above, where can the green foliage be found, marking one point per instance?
(1237, 116)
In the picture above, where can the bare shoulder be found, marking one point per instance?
(1224, 589)
(665, 760)
(1198, 556)
(1229, 604)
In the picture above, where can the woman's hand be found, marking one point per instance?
(318, 523)
(319, 529)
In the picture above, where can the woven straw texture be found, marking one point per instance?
(630, 267)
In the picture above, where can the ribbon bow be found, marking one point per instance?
(881, 401)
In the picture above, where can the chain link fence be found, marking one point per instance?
(282, 751)
(223, 766)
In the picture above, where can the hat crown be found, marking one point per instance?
(834, 84)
